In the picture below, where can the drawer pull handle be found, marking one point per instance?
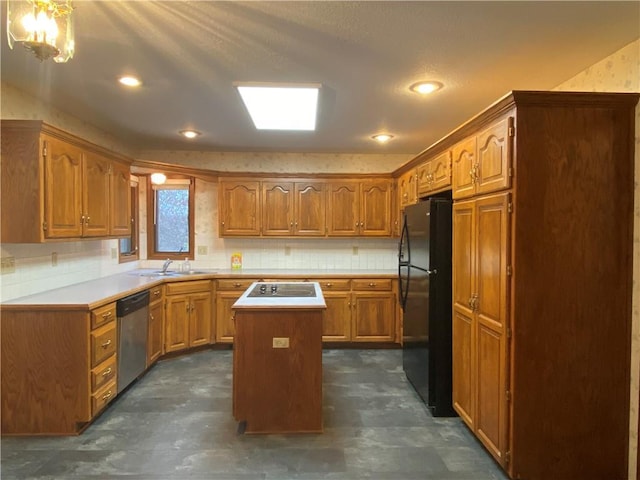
(329, 285)
(107, 395)
(107, 315)
(237, 285)
(106, 344)
(107, 372)
(372, 284)
(156, 293)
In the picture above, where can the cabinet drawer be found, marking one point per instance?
(103, 315)
(155, 293)
(236, 284)
(330, 284)
(103, 343)
(368, 284)
(102, 397)
(179, 288)
(103, 373)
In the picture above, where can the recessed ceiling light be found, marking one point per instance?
(189, 133)
(130, 81)
(425, 88)
(382, 137)
(281, 107)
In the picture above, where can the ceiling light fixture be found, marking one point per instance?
(382, 137)
(130, 81)
(281, 106)
(43, 26)
(189, 133)
(158, 178)
(425, 88)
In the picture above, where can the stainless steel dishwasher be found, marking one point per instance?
(133, 321)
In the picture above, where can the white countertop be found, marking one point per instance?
(269, 302)
(94, 293)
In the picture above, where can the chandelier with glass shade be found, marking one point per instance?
(43, 26)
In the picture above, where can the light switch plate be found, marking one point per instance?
(114, 253)
(54, 259)
(8, 265)
(280, 342)
(202, 249)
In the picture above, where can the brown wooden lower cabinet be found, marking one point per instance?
(374, 306)
(155, 337)
(359, 310)
(57, 372)
(188, 320)
(227, 292)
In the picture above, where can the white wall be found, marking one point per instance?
(620, 72)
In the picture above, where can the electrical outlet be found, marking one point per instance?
(355, 250)
(202, 250)
(8, 265)
(287, 251)
(54, 259)
(114, 253)
(280, 342)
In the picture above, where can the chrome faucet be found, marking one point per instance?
(166, 265)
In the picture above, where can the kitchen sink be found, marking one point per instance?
(283, 290)
(172, 273)
(159, 274)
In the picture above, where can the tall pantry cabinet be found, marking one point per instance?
(542, 254)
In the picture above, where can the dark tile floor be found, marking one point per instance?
(176, 423)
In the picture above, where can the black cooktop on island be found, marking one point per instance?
(298, 289)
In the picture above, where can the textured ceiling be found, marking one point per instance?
(365, 54)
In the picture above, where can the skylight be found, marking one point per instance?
(281, 107)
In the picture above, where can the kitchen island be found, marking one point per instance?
(277, 358)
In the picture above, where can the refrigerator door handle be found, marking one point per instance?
(404, 288)
(403, 245)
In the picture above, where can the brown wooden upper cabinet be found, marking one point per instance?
(482, 162)
(301, 207)
(239, 208)
(73, 189)
(407, 189)
(293, 208)
(359, 208)
(120, 211)
(434, 175)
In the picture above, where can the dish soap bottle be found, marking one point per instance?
(186, 266)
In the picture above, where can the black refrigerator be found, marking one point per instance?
(424, 271)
